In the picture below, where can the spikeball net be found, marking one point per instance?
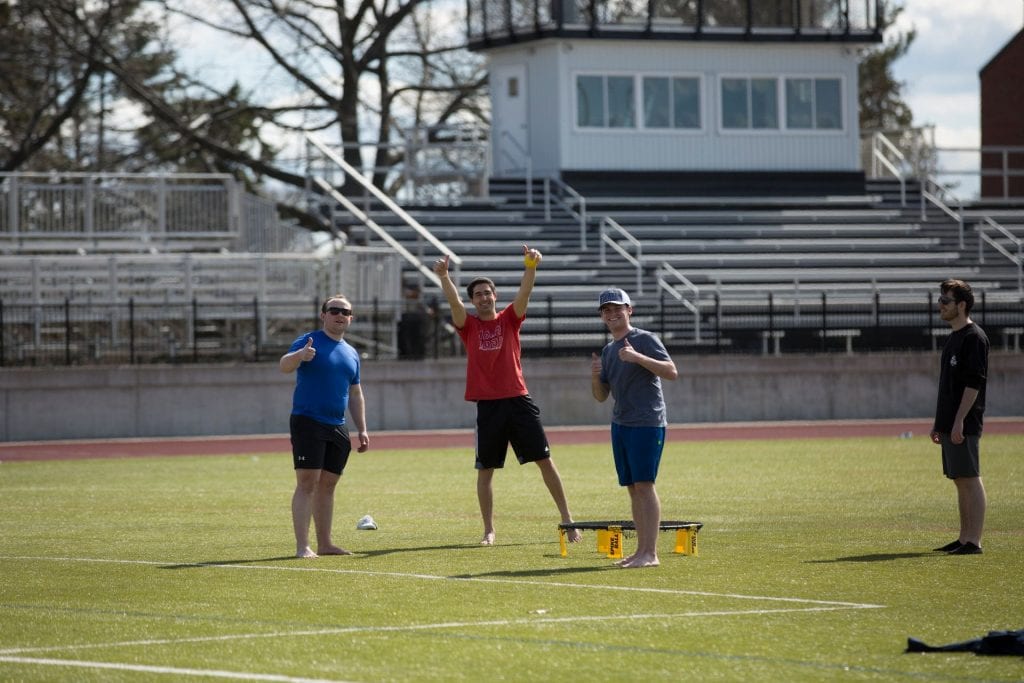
(610, 534)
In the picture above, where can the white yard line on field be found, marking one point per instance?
(471, 579)
(17, 655)
(4, 654)
(169, 670)
(7, 654)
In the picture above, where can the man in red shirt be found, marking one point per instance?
(505, 413)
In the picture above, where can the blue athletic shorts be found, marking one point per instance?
(637, 452)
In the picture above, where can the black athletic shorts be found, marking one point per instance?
(509, 420)
(963, 459)
(319, 446)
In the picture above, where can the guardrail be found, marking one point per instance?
(928, 196)
(576, 197)
(210, 330)
(692, 306)
(880, 143)
(609, 224)
(415, 261)
(1017, 259)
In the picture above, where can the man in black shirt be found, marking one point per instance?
(959, 411)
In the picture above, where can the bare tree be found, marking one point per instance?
(51, 76)
(377, 65)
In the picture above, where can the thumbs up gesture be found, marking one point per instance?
(627, 353)
(307, 352)
(595, 364)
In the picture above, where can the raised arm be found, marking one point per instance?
(531, 259)
(450, 293)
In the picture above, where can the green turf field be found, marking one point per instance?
(814, 565)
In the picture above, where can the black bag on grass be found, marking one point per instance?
(995, 643)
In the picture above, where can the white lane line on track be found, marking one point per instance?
(169, 670)
(469, 579)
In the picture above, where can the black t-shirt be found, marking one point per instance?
(964, 365)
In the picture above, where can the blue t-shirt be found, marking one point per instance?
(321, 384)
(639, 401)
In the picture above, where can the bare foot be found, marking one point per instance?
(638, 562)
(333, 550)
(626, 560)
(306, 553)
(488, 538)
(574, 535)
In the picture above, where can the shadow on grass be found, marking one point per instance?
(454, 546)
(536, 572)
(877, 557)
(220, 563)
(355, 555)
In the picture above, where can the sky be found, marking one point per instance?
(955, 39)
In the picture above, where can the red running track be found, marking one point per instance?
(463, 438)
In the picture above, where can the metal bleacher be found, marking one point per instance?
(733, 252)
(209, 265)
(190, 262)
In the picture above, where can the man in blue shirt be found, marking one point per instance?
(326, 371)
(630, 369)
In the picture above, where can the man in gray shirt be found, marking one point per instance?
(630, 369)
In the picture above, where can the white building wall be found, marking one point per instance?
(557, 143)
(545, 108)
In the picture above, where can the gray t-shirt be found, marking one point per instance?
(639, 401)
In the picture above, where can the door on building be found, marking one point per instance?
(511, 144)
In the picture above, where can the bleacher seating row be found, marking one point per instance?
(734, 251)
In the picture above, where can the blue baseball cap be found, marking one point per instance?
(614, 295)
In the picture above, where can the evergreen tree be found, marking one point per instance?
(881, 96)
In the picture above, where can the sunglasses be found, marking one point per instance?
(335, 310)
(946, 299)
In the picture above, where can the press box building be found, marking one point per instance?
(677, 96)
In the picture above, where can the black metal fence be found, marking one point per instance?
(79, 333)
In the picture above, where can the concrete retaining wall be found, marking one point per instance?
(201, 400)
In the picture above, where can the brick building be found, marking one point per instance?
(1002, 122)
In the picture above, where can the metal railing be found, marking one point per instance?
(1016, 259)
(435, 164)
(204, 330)
(880, 147)
(196, 331)
(1004, 170)
(608, 224)
(691, 305)
(132, 212)
(575, 199)
(915, 154)
(381, 233)
(932, 192)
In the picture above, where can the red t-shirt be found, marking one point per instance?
(493, 369)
